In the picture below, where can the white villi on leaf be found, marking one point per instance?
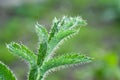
(6, 73)
(43, 62)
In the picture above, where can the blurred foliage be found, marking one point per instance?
(100, 39)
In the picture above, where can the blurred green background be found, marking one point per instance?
(100, 39)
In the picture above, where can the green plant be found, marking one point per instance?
(44, 61)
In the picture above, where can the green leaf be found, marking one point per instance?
(54, 28)
(73, 23)
(44, 62)
(6, 73)
(42, 53)
(34, 73)
(43, 38)
(23, 52)
(41, 32)
(62, 30)
(66, 23)
(58, 39)
(63, 62)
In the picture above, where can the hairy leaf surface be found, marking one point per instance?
(54, 28)
(61, 30)
(64, 61)
(41, 64)
(58, 39)
(6, 73)
(72, 23)
(42, 33)
(43, 38)
(23, 52)
(34, 73)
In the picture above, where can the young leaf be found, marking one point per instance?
(62, 30)
(43, 38)
(63, 62)
(58, 39)
(54, 28)
(34, 73)
(42, 53)
(42, 33)
(73, 23)
(66, 23)
(6, 73)
(23, 52)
